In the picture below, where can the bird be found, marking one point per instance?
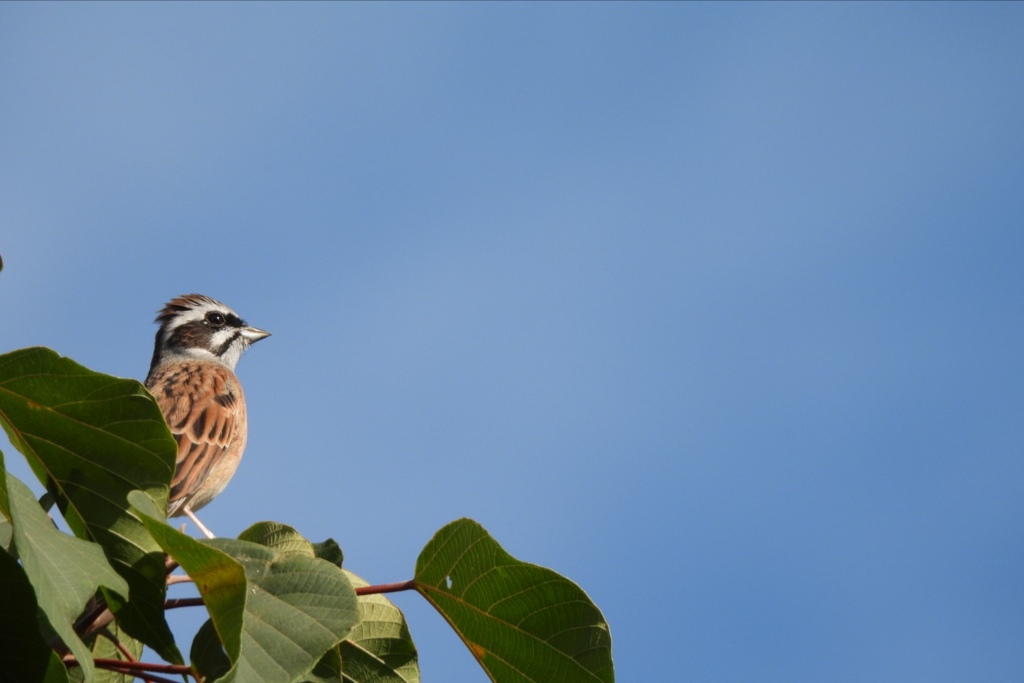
(192, 377)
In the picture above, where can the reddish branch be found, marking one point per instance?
(172, 603)
(142, 666)
(124, 652)
(386, 588)
(142, 669)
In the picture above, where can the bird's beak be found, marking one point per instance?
(253, 334)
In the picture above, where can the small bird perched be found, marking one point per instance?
(192, 377)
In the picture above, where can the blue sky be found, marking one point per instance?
(716, 309)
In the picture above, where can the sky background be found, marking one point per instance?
(716, 309)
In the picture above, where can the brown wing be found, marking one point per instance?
(205, 409)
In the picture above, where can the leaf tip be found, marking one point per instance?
(143, 503)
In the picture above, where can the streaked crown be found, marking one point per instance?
(196, 326)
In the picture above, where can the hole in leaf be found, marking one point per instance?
(447, 582)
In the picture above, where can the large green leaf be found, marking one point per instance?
(297, 608)
(523, 623)
(287, 540)
(91, 438)
(24, 653)
(379, 649)
(64, 571)
(277, 613)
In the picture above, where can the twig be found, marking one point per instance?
(143, 669)
(178, 578)
(96, 618)
(148, 678)
(118, 644)
(174, 603)
(386, 588)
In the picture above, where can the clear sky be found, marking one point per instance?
(716, 309)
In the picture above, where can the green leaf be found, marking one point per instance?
(276, 612)
(297, 608)
(90, 439)
(103, 647)
(280, 537)
(379, 649)
(208, 654)
(522, 622)
(24, 654)
(64, 571)
(286, 539)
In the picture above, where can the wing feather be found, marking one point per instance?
(205, 410)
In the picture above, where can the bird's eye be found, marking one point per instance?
(214, 318)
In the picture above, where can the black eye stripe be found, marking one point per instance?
(188, 335)
(219, 319)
